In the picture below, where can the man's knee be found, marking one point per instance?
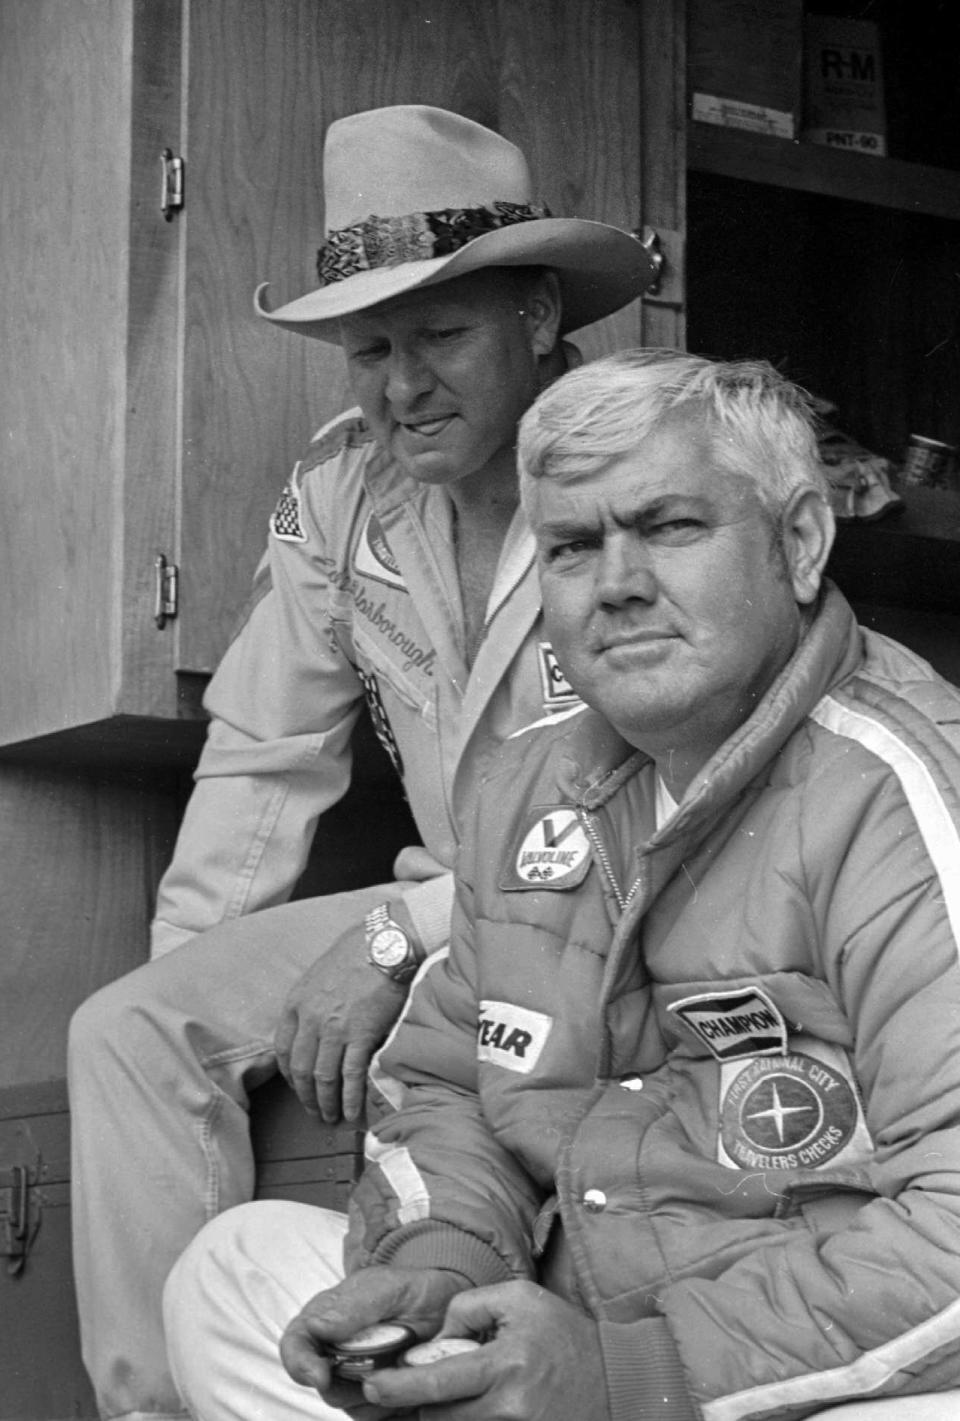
(120, 1023)
(99, 1022)
(261, 1234)
(271, 1246)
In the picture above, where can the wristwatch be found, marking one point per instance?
(389, 948)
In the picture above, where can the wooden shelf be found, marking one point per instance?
(807, 167)
(907, 559)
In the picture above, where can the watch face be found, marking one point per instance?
(389, 947)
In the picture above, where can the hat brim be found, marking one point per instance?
(600, 269)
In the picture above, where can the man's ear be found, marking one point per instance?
(543, 310)
(807, 529)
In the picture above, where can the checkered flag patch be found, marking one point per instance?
(285, 522)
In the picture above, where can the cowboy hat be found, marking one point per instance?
(414, 196)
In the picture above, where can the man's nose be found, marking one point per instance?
(407, 378)
(625, 572)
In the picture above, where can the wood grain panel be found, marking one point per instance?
(153, 364)
(64, 101)
(557, 76)
(664, 170)
(80, 857)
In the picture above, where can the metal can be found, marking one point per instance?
(928, 463)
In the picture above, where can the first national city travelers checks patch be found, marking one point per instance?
(798, 1111)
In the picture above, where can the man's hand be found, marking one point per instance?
(542, 1362)
(414, 1296)
(332, 1022)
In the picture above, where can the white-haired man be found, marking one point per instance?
(673, 1131)
(399, 571)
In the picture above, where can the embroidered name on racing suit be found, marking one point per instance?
(510, 1036)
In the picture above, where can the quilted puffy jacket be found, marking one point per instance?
(704, 1080)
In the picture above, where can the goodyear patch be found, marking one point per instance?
(551, 851)
(373, 556)
(286, 522)
(557, 690)
(798, 1111)
(737, 1023)
(510, 1036)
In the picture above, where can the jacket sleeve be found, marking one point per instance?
(283, 704)
(438, 1191)
(863, 1302)
(430, 905)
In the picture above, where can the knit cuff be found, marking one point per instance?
(645, 1379)
(430, 905)
(437, 1245)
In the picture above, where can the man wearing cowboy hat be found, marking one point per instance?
(399, 572)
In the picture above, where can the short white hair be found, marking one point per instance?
(763, 426)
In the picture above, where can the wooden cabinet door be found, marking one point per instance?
(591, 92)
(72, 265)
(89, 283)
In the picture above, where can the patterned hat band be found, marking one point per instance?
(392, 241)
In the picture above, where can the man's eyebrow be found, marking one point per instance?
(565, 529)
(662, 504)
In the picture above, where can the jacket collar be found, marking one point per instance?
(598, 761)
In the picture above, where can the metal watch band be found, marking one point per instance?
(377, 925)
(377, 918)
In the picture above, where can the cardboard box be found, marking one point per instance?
(843, 89)
(745, 64)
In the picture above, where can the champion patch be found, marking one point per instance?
(374, 558)
(510, 1036)
(557, 690)
(734, 1024)
(798, 1111)
(552, 851)
(285, 521)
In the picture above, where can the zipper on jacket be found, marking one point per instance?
(589, 822)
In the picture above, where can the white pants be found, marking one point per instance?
(229, 1299)
(160, 1063)
(249, 1272)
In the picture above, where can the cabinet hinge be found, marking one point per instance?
(20, 1213)
(171, 184)
(166, 590)
(649, 238)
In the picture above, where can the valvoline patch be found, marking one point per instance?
(551, 851)
(374, 556)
